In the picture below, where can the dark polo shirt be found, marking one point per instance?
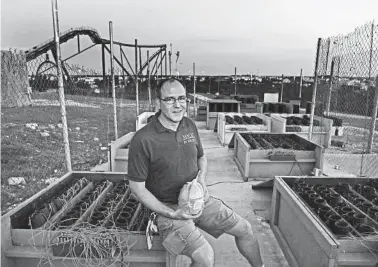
(165, 159)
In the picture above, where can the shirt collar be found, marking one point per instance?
(159, 127)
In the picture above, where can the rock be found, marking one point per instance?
(52, 127)
(79, 141)
(103, 148)
(45, 134)
(16, 180)
(77, 128)
(96, 139)
(59, 125)
(51, 180)
(32, 126)
(55, 171)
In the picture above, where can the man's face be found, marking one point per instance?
(173, 112)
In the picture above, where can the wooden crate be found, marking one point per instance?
(321, 134)
(22, 246)
(256, 163)
(118, 153)
(303, 237)
(226, 131)
(219, 105)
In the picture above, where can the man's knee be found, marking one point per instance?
(203, 256)
(242, 229)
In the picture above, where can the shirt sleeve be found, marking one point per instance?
(200, 152)
(138, 161)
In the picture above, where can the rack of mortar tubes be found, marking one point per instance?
(95, 217)
(326, 221)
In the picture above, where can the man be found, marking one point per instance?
(163, 156)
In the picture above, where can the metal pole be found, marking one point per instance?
(166, 65)
(218, 84)
(282, 84)
(235, 80)
(300, 86)
(123, 71)
(314, 91)
(170, 61)
(328, 103)
(60, 85)
(112, 79)
(136, 78)
(148, 82)
(373, 119)
(103, 68)
(194, 88)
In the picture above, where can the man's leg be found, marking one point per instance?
(246, 242)
(182, 237)
(217, 218)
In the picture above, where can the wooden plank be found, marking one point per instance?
(357, 259)
(133, 256)
(96, 176)
(291, 259)
(6, 241)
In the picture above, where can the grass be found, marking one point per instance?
(26, 153)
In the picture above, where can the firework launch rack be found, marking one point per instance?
(321, 133)
(258, 163)
(225, 131)
(214, 106)
(303, 237)
(21, 246)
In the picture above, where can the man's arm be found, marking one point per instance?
(151, 202)
(202, 166)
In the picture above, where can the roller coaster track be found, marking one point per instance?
(49, 44)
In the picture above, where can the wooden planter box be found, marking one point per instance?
(118, 153)
(220, 105)
(256, 164)
(141, 120)
(305, 240)
(321, 135)
(226, 131)
(22, 246)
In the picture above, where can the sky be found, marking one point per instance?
(266, 37)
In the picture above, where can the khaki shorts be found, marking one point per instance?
(182, 237)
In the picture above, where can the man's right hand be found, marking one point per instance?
(181, 214)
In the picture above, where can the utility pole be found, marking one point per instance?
(282, 84)
(300, 86)
(235, 80)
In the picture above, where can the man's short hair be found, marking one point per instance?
(161, 83)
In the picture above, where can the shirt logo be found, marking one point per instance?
(188, 138)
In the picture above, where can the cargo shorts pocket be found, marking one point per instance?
(182, 240)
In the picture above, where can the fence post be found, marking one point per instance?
(314, 91)
(60, 85)
(112, 79)
(329, 96)
(373, 118)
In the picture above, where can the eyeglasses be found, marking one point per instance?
(172, 100)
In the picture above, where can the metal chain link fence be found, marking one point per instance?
(347, 71)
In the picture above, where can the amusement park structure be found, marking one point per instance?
(131, 68)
